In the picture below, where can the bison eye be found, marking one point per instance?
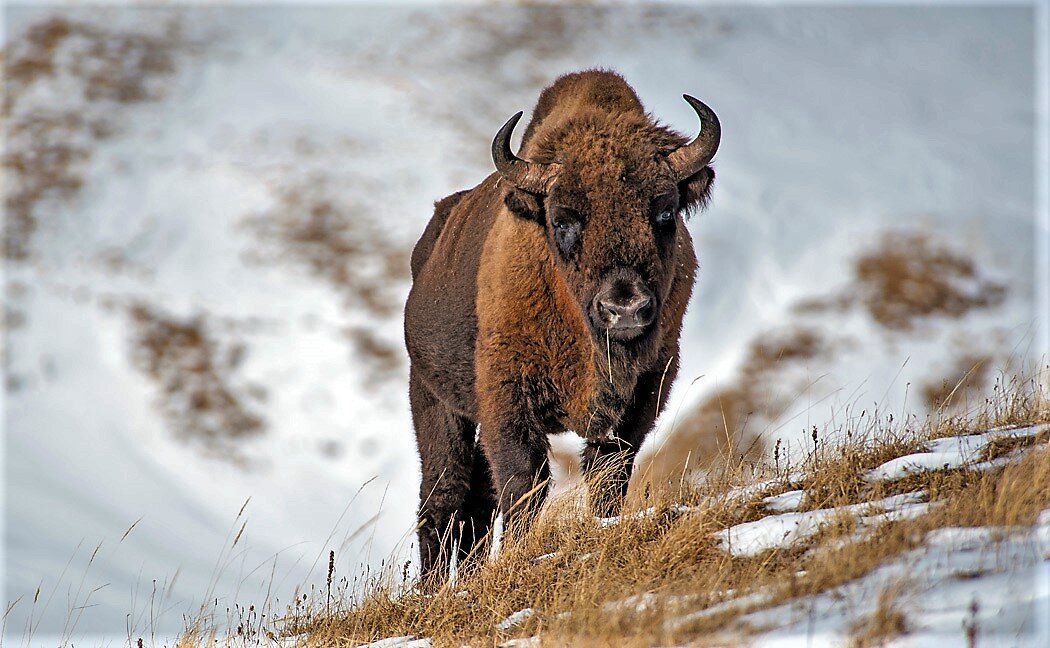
(665, 217)
(566, 235)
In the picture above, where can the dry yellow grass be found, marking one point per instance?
(639, 582)
(662, 578)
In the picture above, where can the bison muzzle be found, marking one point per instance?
(549, 298)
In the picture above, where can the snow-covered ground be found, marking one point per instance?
(190, 183)
(992, 582)
(960, 576)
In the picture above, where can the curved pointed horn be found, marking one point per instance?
(689, 159)
(533, 177)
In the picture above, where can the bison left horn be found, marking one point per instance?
(533, 177)
(689, 159)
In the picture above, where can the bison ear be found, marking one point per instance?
(525, 205)
(695, 191)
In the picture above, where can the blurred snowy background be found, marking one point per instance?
(208, 213)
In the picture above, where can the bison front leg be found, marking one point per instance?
(516, 419)
(608, 464)
(520, 471)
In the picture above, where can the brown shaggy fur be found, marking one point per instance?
(500, 326)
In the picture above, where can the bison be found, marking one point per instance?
(549, 298)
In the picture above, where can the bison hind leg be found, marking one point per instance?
(456, 499)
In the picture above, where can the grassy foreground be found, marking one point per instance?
(660, 575)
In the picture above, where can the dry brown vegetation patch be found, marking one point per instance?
(886, 623)
(334, 240)
(1010, 402)
(907, 277)
(727, 426)
(199, 396)
(963, 383)
(47, 145)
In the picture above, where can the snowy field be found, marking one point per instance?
(209, 211)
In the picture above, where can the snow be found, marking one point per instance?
(745, 492)
(741, 493)
(784, 530)
(407, 641)
(917, 463)
(997, 580)
(1003, 573)
(616, 519)
(367, 104)
(516, 618)
(523, 642)
(739, 604)
(789, 501)
(675, 509)
(645, 602)
(952, 452)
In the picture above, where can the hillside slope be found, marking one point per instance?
(931, 537)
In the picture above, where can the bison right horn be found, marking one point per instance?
(533, 177)
(689, 159)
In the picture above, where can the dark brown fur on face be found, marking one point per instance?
(534, 312)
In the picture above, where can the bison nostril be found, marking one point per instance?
(635, 312)
(644, 309)
(609, 311)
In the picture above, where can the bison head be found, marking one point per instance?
(610, 191)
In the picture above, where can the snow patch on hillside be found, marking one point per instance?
(951, 452)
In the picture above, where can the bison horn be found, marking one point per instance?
(689, 159)
(533, 177)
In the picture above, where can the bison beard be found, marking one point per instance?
(550, 297)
